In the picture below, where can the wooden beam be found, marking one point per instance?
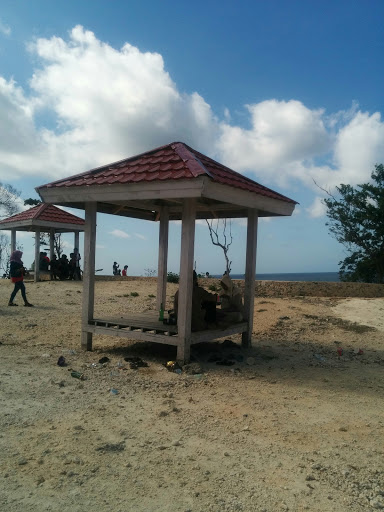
(245, 198)
(13, 240)
(250, 271)
(88, 274)
(186, 279)
(77, 240)
(163, 258)
(111, 193)
(37, 255)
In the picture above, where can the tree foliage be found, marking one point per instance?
(8, 200)
(356, 220)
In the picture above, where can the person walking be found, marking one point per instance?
(17, 272)
(124, 272)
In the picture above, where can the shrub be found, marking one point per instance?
(212, 287)
(151, 295)
(134, 294)
(172, 277)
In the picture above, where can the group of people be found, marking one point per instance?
(204, 305)
(63, 268)
(116, 269)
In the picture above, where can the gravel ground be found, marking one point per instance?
(294, 423)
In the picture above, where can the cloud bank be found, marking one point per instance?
(91, 104)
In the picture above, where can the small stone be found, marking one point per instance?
(250, 361)
(343, 429)
(309, 478)
(22, 461)
(40, 480)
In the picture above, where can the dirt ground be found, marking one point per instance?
(295, 423)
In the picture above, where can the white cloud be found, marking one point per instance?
(281, 133)
(110, 103)
(5, 29)
(119, 234)
(142, 237)
(100, 246)
(317, 209)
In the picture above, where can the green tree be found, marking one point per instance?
(356, 220)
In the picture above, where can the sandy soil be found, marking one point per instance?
(291, 425)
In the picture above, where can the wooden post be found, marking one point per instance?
(51, 249)
(77, 240)
(51, 243)
(37, 255)
(88, 273)
(250, 270)
(163, 258)
(13, 240)
(186, 280)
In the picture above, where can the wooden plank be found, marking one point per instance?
(135, 323)
(163, 258)
(250, 271)
(88, 274)
(186, 279)
(135, 335)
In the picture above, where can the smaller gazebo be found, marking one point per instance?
(44, 218)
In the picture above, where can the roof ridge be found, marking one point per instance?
(194, 165)
(42, 207)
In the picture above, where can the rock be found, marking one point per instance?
(377, 504)
(250, 361)
(22, 461)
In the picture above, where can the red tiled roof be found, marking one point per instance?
(171, 162)
(45, 212)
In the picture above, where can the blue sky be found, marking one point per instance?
(285, 92)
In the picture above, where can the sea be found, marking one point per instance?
(293, 276)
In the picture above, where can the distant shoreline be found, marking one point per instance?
(330, 277)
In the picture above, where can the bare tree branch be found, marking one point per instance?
(215, 238)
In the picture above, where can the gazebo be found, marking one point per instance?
(44, 218)
(172, 182)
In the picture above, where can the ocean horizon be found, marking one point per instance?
(291, 276)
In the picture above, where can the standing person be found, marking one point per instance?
(124, 272)
(17, 272)
(77, 259)
(115, 268)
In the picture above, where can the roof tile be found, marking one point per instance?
(171, 162)
(45, 212)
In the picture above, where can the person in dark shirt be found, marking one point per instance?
(17, 272)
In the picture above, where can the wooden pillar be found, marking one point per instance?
(37, 255)
(13, 240)
(88, 273)
(77, 240)
(51, 243)
(250, 270)
(163, 258)
(186, 280)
